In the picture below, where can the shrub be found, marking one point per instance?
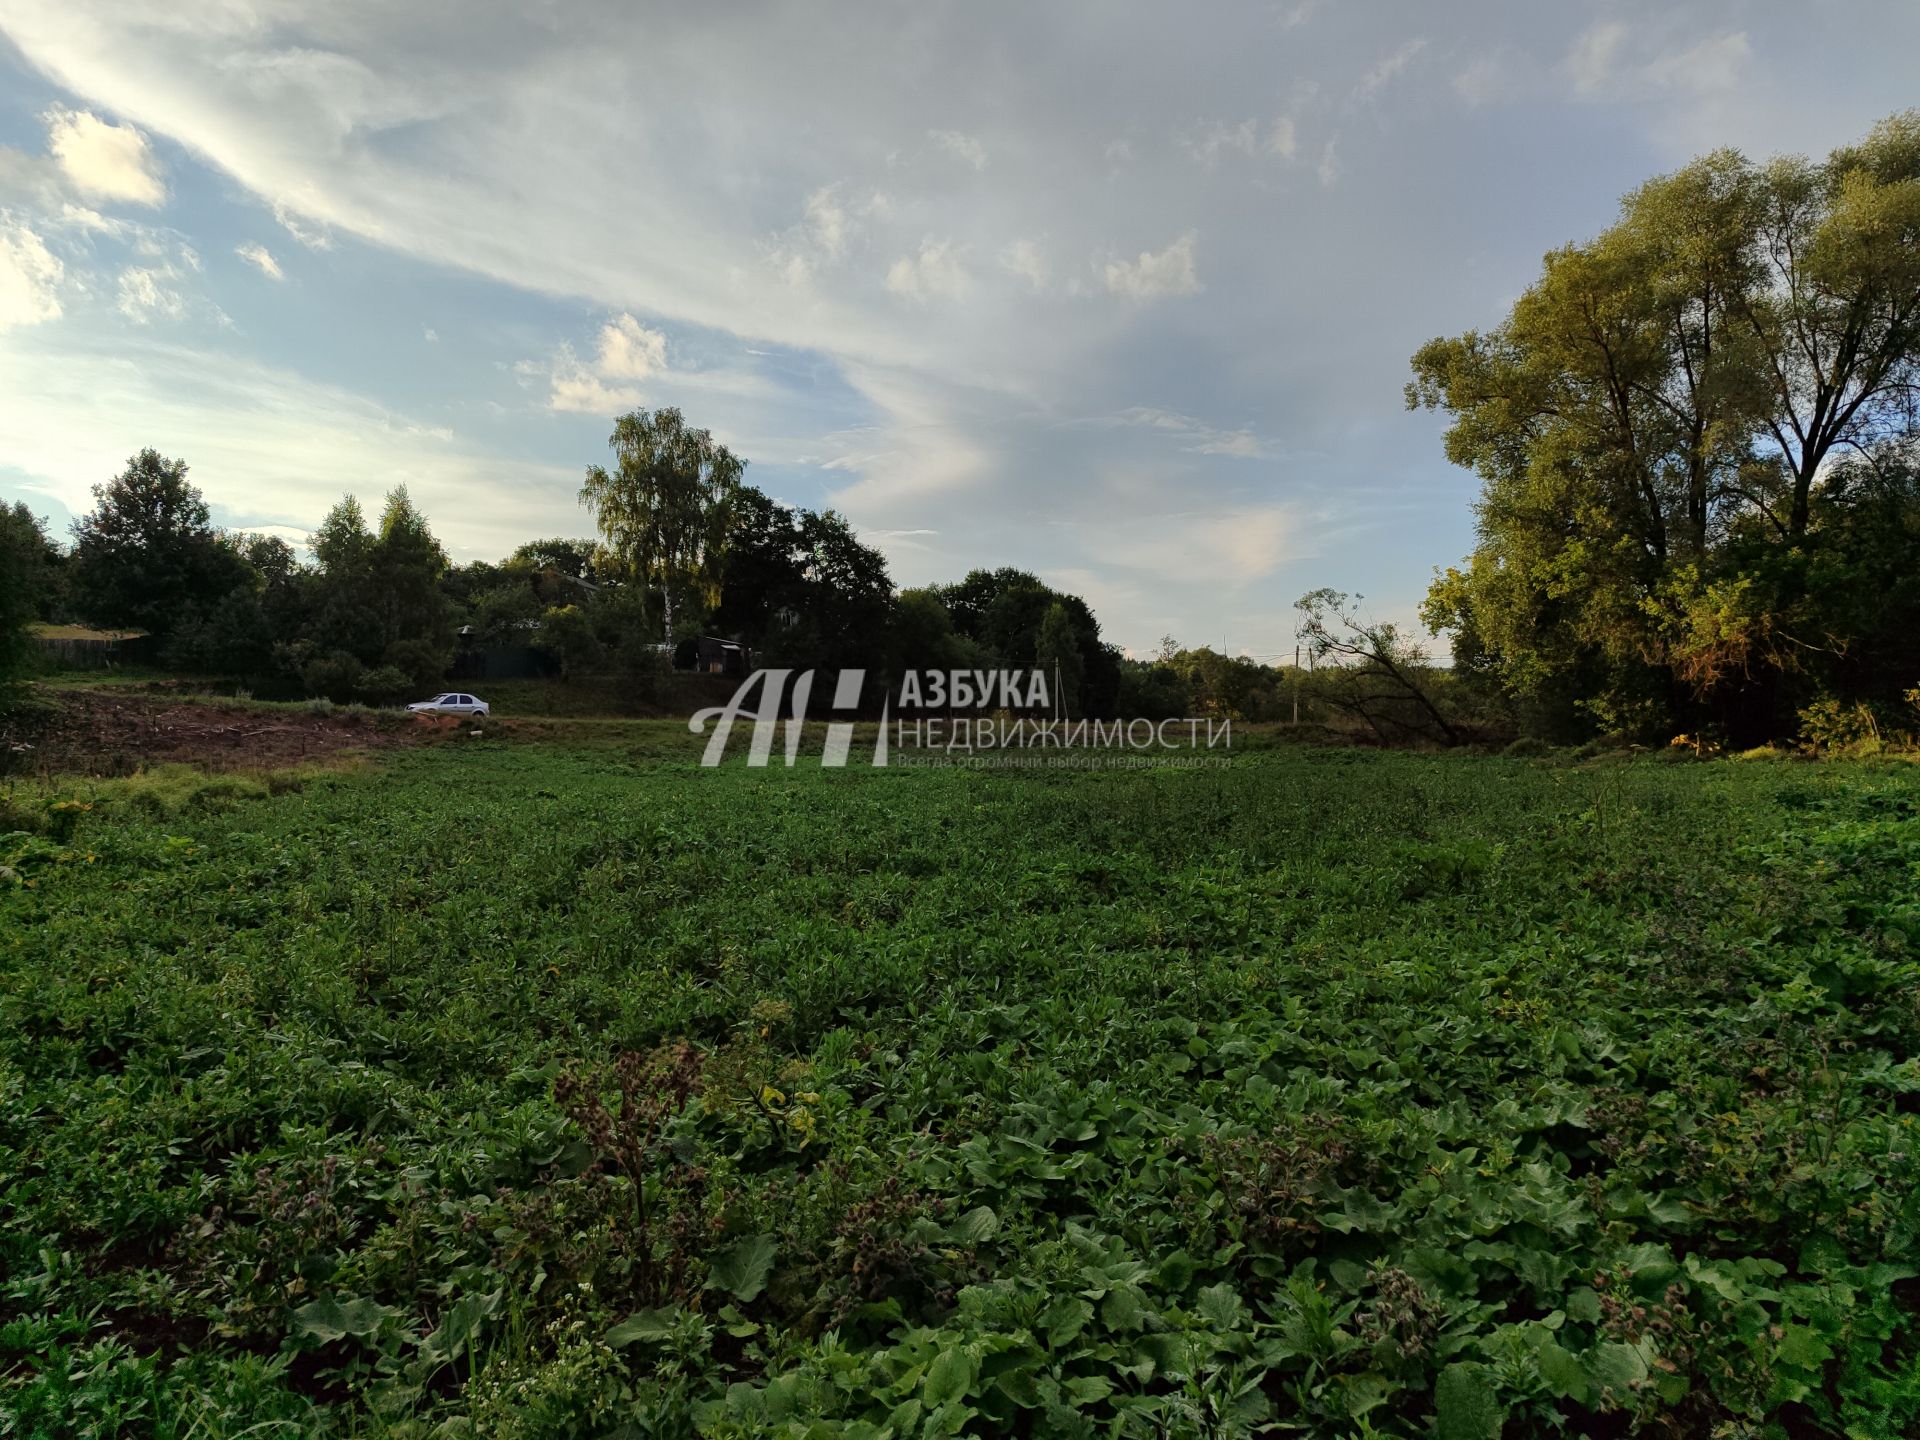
(335, 676)
(1830, 724)
(386, 685)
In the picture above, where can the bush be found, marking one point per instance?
(421, 665)
(643, 670)
(335, 676)
(567, 631)
(1830, 724)
(386, 685)
(23, 565)
(230, 637)
(1610, 744)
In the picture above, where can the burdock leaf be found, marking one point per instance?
(742, 1268)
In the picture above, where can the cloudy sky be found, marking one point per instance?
(1119, 293)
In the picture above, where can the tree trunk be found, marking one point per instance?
(1802, 497)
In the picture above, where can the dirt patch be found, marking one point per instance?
(102, 731)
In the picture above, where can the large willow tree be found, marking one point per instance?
(1659, 425)
(663, 509)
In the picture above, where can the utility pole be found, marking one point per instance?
(1296, 684)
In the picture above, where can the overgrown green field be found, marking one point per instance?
(520, 1091)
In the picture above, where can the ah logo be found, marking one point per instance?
(768, 718)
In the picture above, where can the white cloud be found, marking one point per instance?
(795, 270)
(261, 259)
(1239, 444)
(624, 351)
(1197, 436)
(628, 350)
(1590, 63)
(111, 161)
(1329, 167)
(148, 293)
(1253, 542)
(575, 389)
(828, 222)
(1237, 545)
(964, 148)
(827, 231)
(936, 272)
(1610, 62)
(290, 221)
(1025, 259)
(84, 218)
(1156, 273)
(1712, 66)
(1384, 73)
(30, 277)
(431, 336)
(1209, 144)
(1482, 82)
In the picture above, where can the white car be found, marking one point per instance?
(452, 703)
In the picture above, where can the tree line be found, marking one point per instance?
(375, 612)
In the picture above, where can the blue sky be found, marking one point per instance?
(1119, 293)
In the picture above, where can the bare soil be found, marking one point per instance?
(102, 730)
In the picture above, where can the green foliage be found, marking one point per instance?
(148, 555)
(549, 1092)
(574, 558)
(1003, 612)
(26, 568)
(1155, 689)
(923, 637)
(1373, 672)
(846, 599)
(743, 1267)
(1656, 424)
(503, 614)
(800, 588)
(377, 614)
(1056, 653)
(1330, 692)
(567, 631)
(664, 509)
(415, 623)
(235, 636)
(377, 622)
(1828, 724)
(1209, 683)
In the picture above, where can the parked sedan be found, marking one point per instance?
(452, 703)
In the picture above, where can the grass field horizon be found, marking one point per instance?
(529, 1088)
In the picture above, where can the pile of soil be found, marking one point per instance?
(115, 731)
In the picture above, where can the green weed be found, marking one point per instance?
(541, 1091)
